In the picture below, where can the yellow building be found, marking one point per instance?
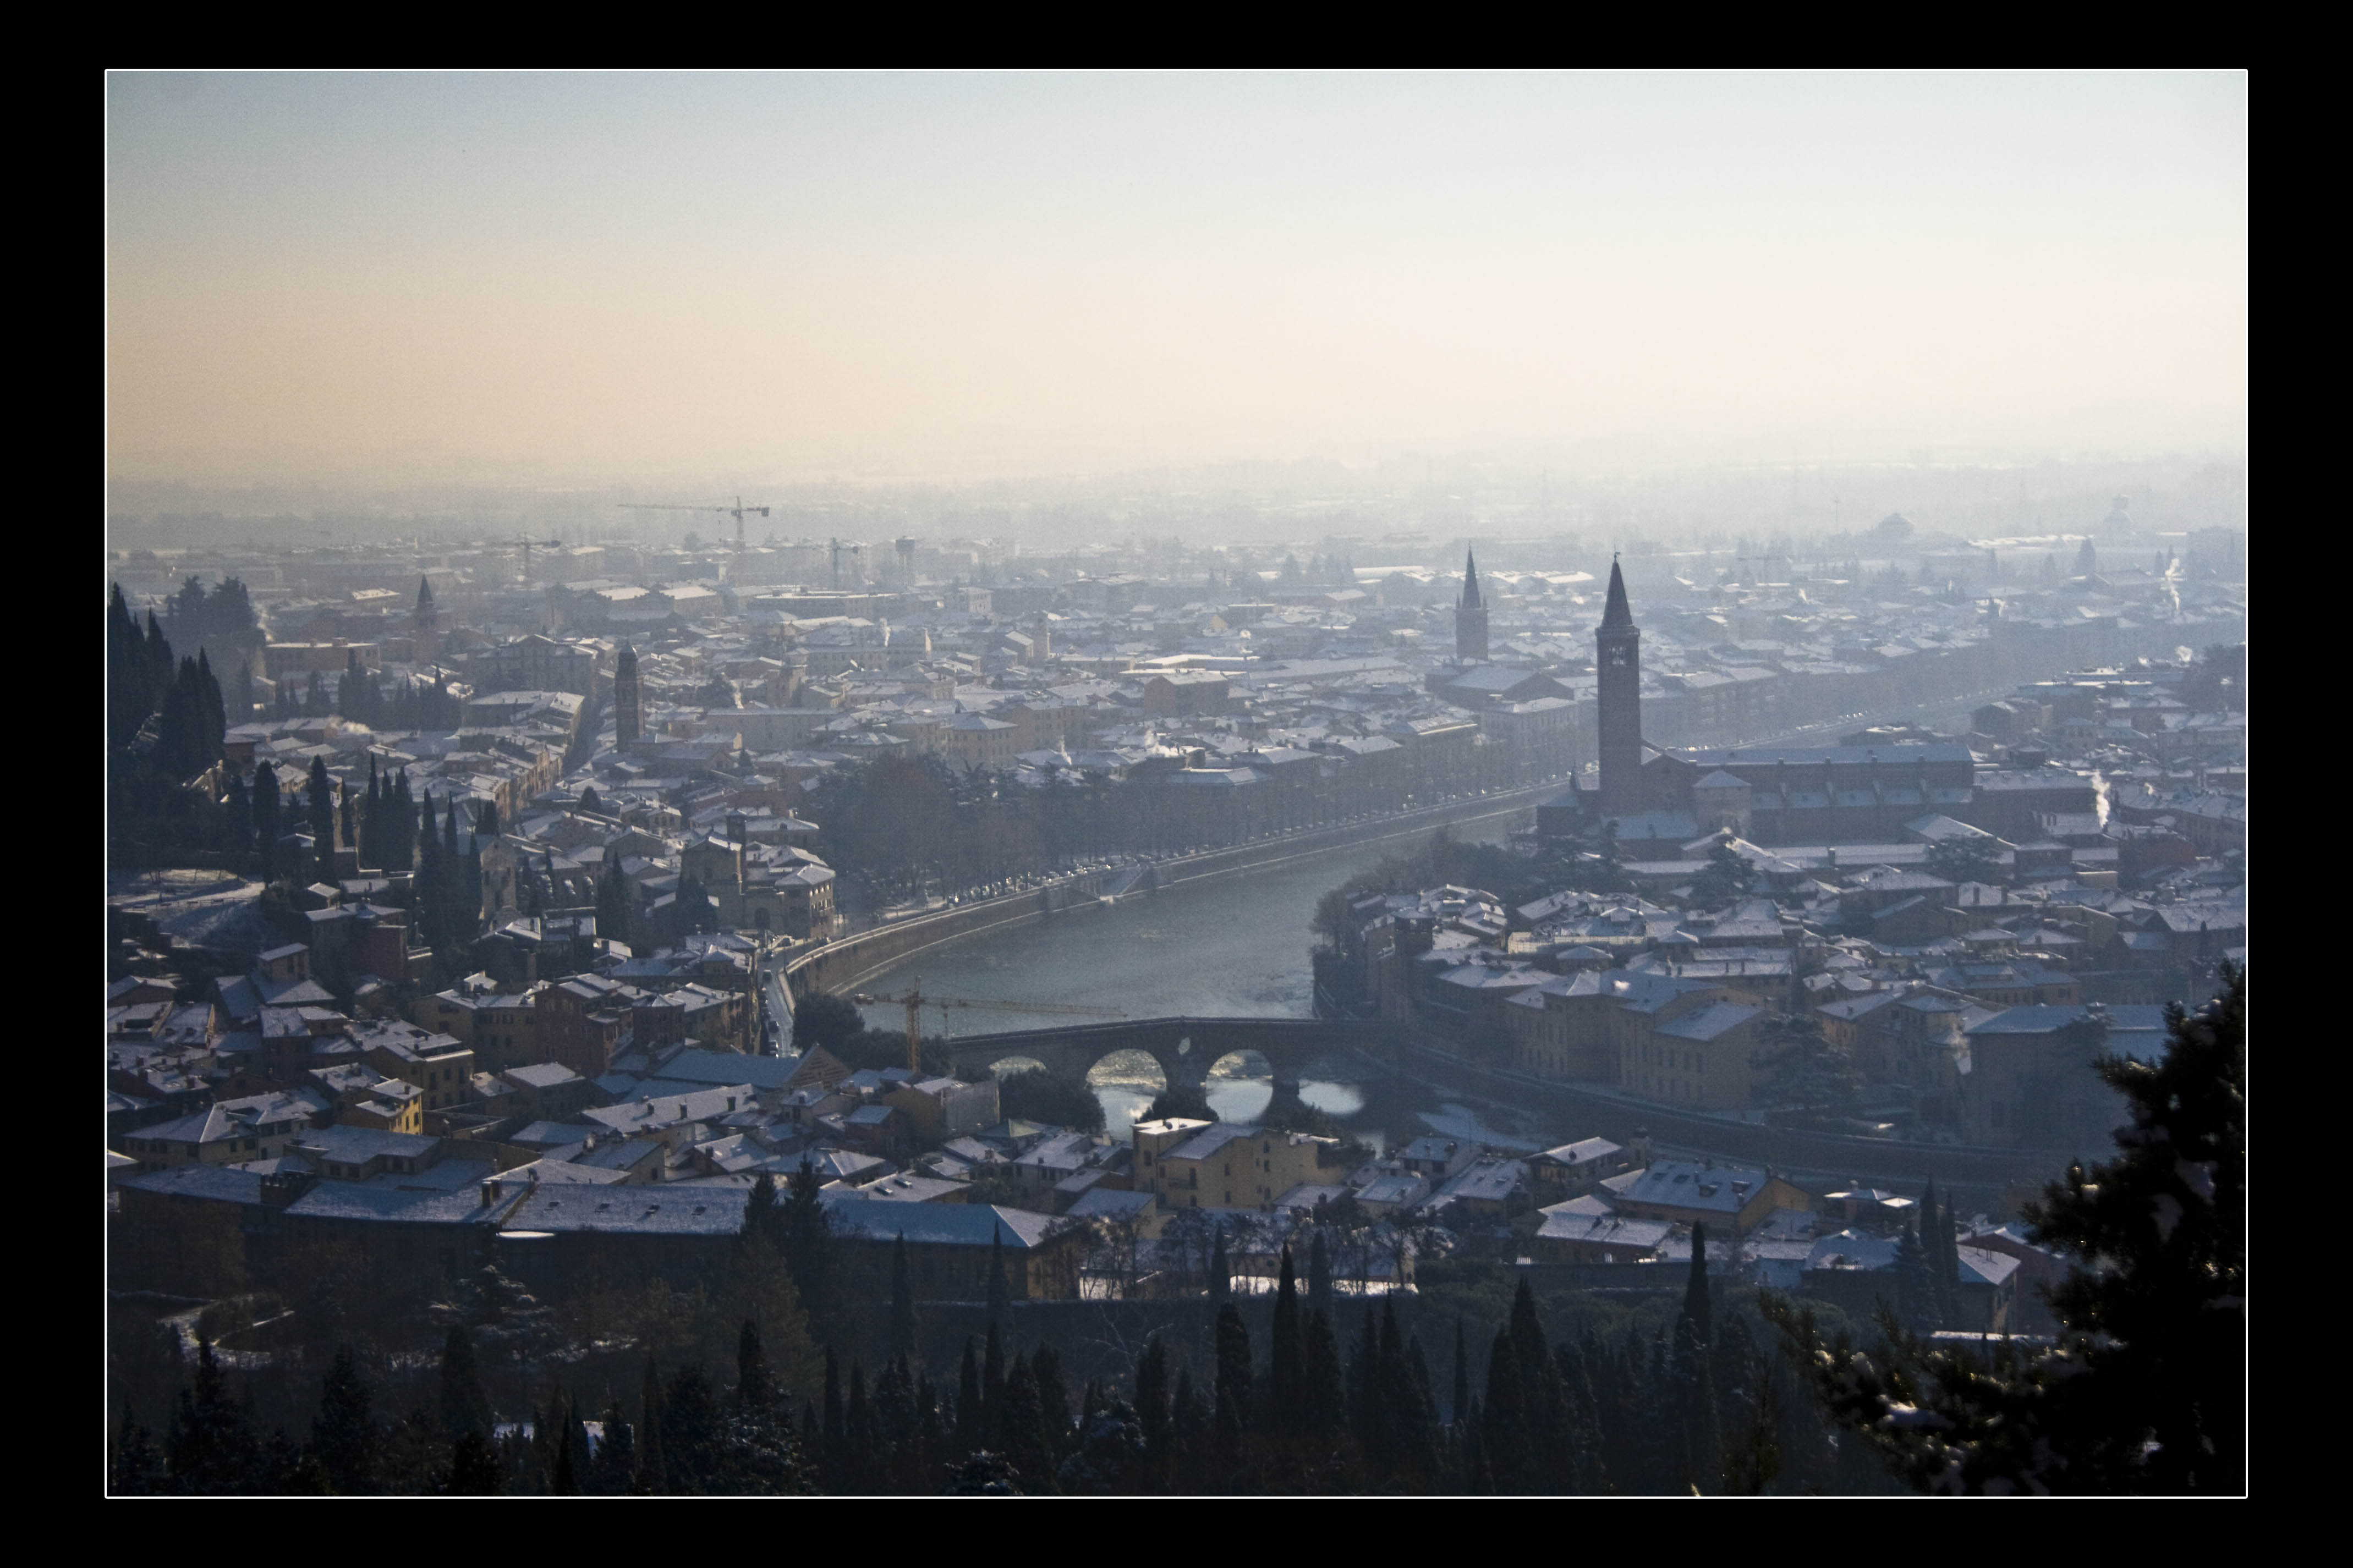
(1189, 1165)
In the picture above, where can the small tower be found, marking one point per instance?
(628, 713)
(426, 629)
(1470, 616)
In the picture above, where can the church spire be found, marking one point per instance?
(1470, 600)
(1617, 613)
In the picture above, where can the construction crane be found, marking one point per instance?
(528, 546)
(915, 1002)
(736, 512)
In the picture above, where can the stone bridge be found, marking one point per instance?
(1185, 1047)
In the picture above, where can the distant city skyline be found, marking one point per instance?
(598, 278)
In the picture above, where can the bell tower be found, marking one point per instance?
(1470, 616)
(629, 711)
(1618, 660)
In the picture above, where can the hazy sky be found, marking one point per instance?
(616, 276)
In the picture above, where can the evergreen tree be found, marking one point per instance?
(1053, 1396)
(2145, 1392)
(763, 1215)
(1697, 1305)
(1221, 1278)
(1021, 1430)
(754, 1388)
(967, 1406)
(475, 1470)
(1916, 1278)
(322, 821)
(1460, 1412)
(652, 1478)
(464, 1406)
(903, 1342)
(1285, 1353)
(810, 1249)
(1323, 1393)
(1319, 1276)
(343, 1433)
(613, 1463)
(833, 1450)
(692, 1434)
(1234, 1378)
(992, 1389)
(134, 1465)
(1503, 1416)
(212, 1447)
(1702, 1436)
(1152, 1397)
(564, 1477)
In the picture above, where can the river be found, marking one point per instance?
(1234, 947)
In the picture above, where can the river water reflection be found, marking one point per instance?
(1237, 948)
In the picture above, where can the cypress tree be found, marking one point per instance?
(992, 1389)
(1319, 1276)
(1461, 1410)
(474, 1468)
(756, 1390)
(1581, 1433)
(614, 1461)
(1284, 1352)
(833, 1453)
(1697, 1305)
(902, 1300)
(564, 1481)
(1151, 1400)
(762, 1214)
(1502, 1415)
(1192, 1425)
(1422, 1434)
(1324, 1393)
(464, 1406)
(1021, 1427)
(212, 1447)
(343, 1433)
(343, 815)
(1703, 1434)
(1233, 1379)
(1221, 1280)
(1053, 1396)
(322, 821)
(1479, 1478)
(652, 1478)
(968, 1436)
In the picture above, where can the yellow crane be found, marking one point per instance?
(915, 1002)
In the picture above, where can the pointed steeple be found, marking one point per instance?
(1470, 600)
(1617, 613)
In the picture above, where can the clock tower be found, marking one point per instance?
(1618, 650)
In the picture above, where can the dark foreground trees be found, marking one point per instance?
(2145, 1390)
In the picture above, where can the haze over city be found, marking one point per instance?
(898, 784)
(579, 280)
